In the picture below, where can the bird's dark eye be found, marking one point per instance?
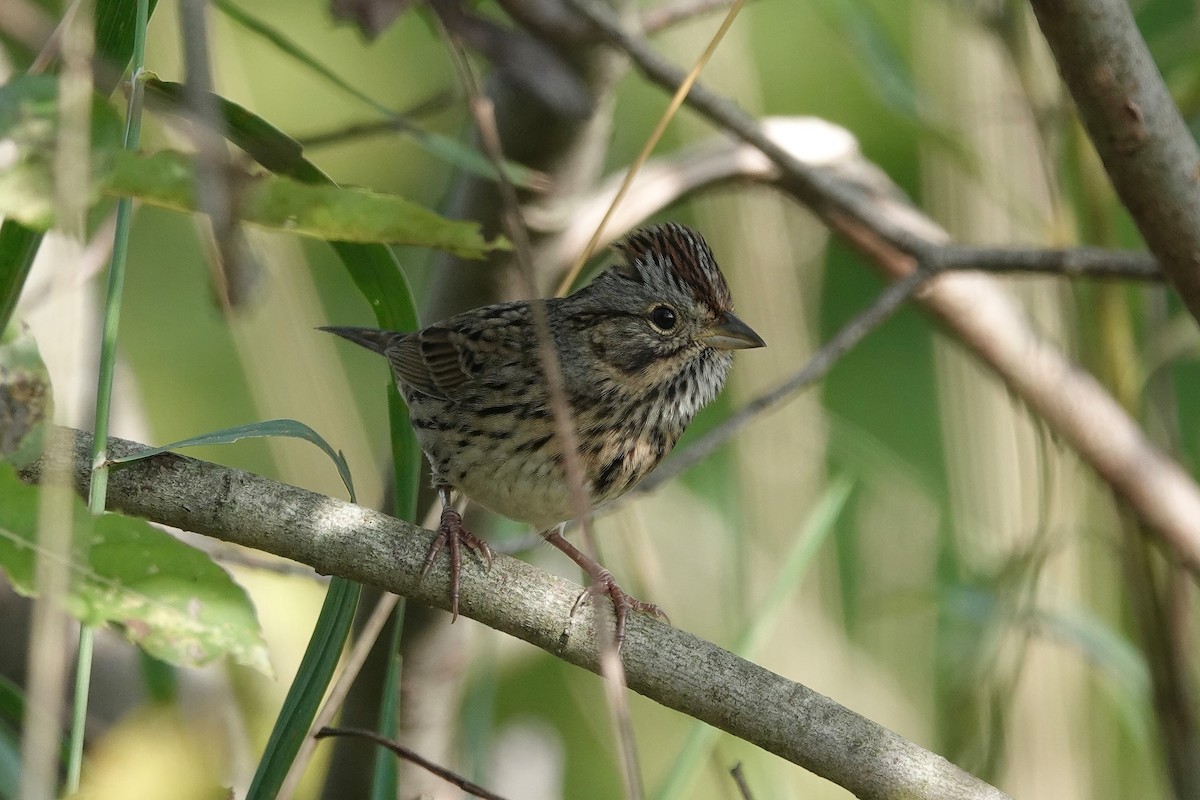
(663, 317)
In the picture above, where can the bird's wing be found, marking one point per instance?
(430, 362)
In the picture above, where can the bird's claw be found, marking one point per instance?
(623, 603)
(452, 532)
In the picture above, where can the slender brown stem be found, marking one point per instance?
(739, 780)
(403, 752)
(672, 13)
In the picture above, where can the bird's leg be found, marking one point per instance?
(602, 583)
(452, 531)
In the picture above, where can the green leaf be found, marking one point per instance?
(288, 428)
(116, 29)
(116, 23)
(385, 778)
(262, 141)
(18, 246)
(29, 118)
(12, 703)
(167, 179)
(167, 597)
(26, 401)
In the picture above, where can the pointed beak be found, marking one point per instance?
(732, 334)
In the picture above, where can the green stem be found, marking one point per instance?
(83, 682)
(108, 357)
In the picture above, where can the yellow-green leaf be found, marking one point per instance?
(165, 596)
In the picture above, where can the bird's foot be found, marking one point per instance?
(452, 532)
(603, 583)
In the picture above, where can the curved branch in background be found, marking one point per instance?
(669, 179)
(896, 238)
(663, 663)
(1145, 145)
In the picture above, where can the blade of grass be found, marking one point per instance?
(308, 687)
(443, 147)
(385, 777)
(288, 428)
(821, 522)
(378, 276)
(406, 475)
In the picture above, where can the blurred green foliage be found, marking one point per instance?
(972, 596)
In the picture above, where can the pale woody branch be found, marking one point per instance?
(663, 663)
(817, 143)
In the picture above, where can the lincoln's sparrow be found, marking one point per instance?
(643, 347)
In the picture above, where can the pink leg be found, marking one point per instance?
(603, 583)
(452, 531)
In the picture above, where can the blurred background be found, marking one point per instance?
(972, 593)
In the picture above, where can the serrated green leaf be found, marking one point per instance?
(288, 428)
(26, 401)
(167, 597)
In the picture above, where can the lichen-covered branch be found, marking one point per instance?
(663, 663)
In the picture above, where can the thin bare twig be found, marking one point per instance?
(739, 780)
(668, 179)
(401, 751)
(1069, 262)
(400, 121)
(674, 12)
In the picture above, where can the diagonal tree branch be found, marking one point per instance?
(663, 663)
(668, 179)
(1141, 137)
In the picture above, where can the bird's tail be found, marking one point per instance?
(370, 338)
